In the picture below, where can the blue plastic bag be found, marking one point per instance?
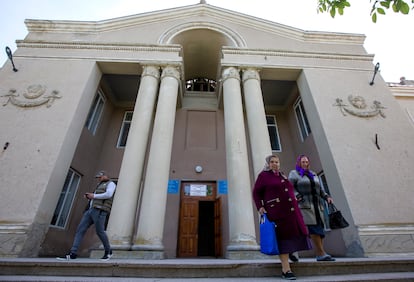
(268, 240)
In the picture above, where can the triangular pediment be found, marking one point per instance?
(158, 26)
(200, 39)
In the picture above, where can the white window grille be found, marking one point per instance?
(273, 133)
(123, 133)
(302, 119)
(95, 112)
(67, 195)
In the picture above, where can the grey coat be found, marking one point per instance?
(302, 187)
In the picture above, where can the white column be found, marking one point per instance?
(154, 198)
(256, 119)
(123, 213)
(241, 222)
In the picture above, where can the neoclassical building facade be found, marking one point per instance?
(181, 107)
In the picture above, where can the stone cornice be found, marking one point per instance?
(98, 46)
(401, 90)
(63, 26)
(333, 37)
(177, 48)
(286, 53)
(199, 10)
(287, 31)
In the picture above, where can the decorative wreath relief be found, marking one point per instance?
(34, 96)
(359, 107)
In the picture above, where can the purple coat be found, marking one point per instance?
(275, 193)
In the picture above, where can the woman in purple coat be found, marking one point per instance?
(274, 194)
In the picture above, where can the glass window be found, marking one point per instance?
(273, 133)
(63, 207)
(302, 119)
(123, 134)
(95, 112)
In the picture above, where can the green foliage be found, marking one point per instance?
(379, 7)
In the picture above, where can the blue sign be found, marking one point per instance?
(173, 185)
(222, 186)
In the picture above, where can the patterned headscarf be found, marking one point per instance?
(301, 170)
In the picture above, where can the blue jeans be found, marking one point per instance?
(92, 216)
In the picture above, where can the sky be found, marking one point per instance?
(390, 39)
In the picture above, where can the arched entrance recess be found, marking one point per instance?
(202, 44)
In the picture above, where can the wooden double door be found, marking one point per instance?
(200, 221)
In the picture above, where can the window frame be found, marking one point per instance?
(95, 112)
(121, 134)
(66, 199)
(277, 137)
(301, 119)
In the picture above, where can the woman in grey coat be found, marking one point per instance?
(311, 196)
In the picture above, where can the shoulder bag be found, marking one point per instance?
(268, 240)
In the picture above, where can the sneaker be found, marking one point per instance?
(293, 258)
(326, 257)
(107, 256)
(288, 275)
(69, 256)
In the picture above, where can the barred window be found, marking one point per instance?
(302, 119)
(95, 112)
(123, 133)
(201, 84)
(273, 133)
(67, 195)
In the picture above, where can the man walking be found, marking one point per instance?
(100, 203)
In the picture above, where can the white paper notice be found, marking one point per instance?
(198, 190)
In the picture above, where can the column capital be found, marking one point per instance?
(251, 73)
(151, 70)
(230, 72)
(170, 71)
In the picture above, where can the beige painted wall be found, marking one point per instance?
(42, 141)
(362, 178)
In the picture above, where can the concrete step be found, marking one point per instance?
(85, 269)
(381, 277)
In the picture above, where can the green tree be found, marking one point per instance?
(378, 7)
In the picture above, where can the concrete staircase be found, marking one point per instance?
(85, 269)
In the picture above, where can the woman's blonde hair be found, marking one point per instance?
(268, 158)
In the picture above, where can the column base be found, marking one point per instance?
(129, 254)
(245, 251)
(247, 255)
(149, 251)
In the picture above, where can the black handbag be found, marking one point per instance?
(336, 220)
